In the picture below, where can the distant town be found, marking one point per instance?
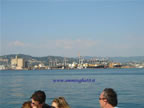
(25, 62)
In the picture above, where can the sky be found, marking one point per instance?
(72, 27)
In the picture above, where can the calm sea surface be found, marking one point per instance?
(17, 86)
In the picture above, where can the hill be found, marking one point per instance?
(45, 60)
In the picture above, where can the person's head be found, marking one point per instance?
(27, 104)
(60, 103)
(108, 98)
(38, 99)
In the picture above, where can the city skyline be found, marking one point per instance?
(72, 28)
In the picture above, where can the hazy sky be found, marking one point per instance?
(72, 27)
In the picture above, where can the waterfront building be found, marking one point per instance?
(2, 67)
(17, 63)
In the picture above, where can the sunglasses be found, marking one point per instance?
(102, 98)
(34, 103)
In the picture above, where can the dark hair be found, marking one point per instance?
(111, 96)
(39, 96)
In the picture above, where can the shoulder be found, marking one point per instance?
(46, 106)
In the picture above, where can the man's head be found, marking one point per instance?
(108, 98)
(38, 99)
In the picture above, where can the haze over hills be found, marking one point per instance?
(128, 59)
(122, 59)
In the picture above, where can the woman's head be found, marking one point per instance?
(27, 104)
(55, 103)
(60, 102)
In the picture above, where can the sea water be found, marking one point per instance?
(17, 87)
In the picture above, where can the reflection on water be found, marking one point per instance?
(18, 86)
